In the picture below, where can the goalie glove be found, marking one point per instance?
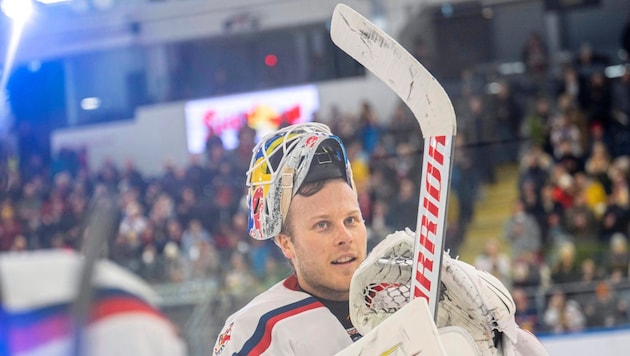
(479, 303)
(469, 298)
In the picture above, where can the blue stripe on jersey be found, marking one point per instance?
(278, 314)
(29, 318)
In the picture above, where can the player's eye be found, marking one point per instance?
(353, 220)
(322, 225)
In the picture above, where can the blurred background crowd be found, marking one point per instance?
(561, 129)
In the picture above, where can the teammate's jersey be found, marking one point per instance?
(37, 291)
(282, 321)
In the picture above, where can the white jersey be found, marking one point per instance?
(37, 290)
(282, 321)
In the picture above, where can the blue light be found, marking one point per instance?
(19, 11)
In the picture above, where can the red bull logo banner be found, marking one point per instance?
(264, 111)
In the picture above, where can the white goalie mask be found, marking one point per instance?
(281, 162)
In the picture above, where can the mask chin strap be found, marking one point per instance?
(286, 192)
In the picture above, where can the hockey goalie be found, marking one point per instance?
(475, 311)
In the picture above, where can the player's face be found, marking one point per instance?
(328, 242)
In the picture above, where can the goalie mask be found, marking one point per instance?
(281, 163)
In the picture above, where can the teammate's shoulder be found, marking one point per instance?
(52, 276)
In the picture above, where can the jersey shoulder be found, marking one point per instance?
(274, 322)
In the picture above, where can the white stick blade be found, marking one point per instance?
(390, 62)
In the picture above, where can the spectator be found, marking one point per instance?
(131, 178)
(168, 179)
(259, 252)
(369, 129)
(564, 268)
(128, 246)
(617, 258)
(203, 261)
(403, 126)
(196, 174)
(174, 232)
(565, 131)
(472, 84)
(239, 281)
(571, 85)
(597, 163)
(530, 196)
(535, 55)
(52, 214)
(548, 202)
(150, 267)
(28, 208)
(493, 261)
(562, 314)
(408, 163)
(19, 244)
(223, 199)
(556, 235)
(527, 273)
(593, 193)
(151, 194)
(534, 166)
(522, 232)
(188, 207)
(74, 218)
(464, 182)
(598, 100)
(193, 237)
(621, 97)
(589, 61)
(241, 154)
(175, 263)
(133, 222)
(588, 281)
(481, 133)
(615, 217)
(566, 158)
(619, 133)
(108, 175)
(161, 210)
(563, 189)
(607, 309)
(506, 114)
(535, 128)
(216, 155)
(10, 226)
(403, 209)
(581, 223)
(379, 226)
(360, 163)
(275, 272)
(526, 315)
(382, 181)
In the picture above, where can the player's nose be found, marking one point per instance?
(344, 235)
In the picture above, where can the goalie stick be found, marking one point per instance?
(432, 108)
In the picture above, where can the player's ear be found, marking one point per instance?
(286, 245)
